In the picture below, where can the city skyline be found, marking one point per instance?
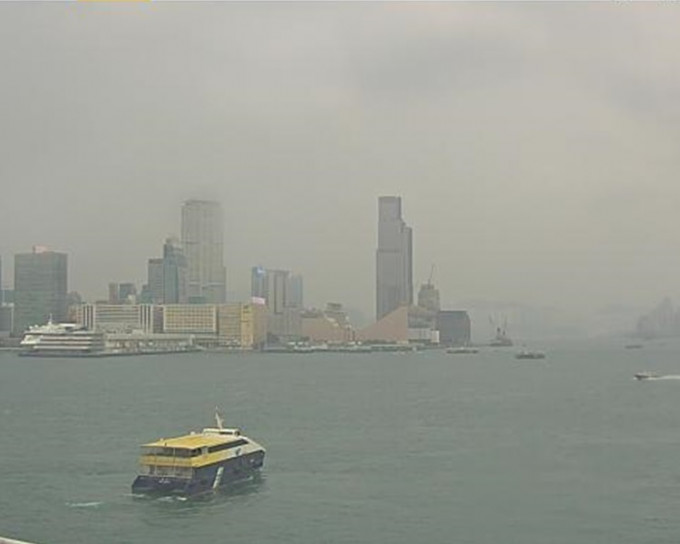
(539, 168)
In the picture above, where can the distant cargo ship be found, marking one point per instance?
(501, 339)
(197, 463)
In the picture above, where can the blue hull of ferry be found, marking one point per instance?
(205, 479)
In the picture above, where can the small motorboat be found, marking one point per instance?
(645, 375)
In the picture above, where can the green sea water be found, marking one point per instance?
(361, 448)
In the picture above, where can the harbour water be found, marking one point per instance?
(366, 448)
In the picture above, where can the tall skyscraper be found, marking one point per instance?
(295, 291)
(279, 288)
(282, 295)
(394, 258)
(167, 281)
(203, 244)
(114, 293)
(127, 292)
(40, 288)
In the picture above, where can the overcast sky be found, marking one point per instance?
(535, 145)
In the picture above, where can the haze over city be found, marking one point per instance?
(534, 145)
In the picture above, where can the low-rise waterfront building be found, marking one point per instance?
(454, 327)
(199, 319)
(242, 325)
(330, 325)
(403, 325)
(119, 318)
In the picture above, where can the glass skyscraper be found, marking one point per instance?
(203, 245)
(394, 258)
(279, 288)
(40, 288)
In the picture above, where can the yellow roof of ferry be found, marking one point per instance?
(191, 441)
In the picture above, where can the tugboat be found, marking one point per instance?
(197, 463)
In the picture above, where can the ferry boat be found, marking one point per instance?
(197, 463)
(74, 340)
(462, 350)
(527, 354)
(61, 340)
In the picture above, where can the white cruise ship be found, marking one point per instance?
(61, 340)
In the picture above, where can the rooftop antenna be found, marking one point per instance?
(429, 280)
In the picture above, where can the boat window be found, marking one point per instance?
(227, 446)
(155, 470)
(171, 452)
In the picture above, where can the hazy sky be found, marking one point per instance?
(535, 145)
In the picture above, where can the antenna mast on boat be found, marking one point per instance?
(218, 419)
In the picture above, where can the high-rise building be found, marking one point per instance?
(428, 297)
(6, 312)
(127, 292)
(203, 244)
(258, 283)
(281, 292)
(295, 288)
(174, 273)
(40, 288)
(114, 293)
(394, 258)
(279, 288)
(167, 278)
(155, 281)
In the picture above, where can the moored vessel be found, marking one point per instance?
(501, 340)
(74, 340)
(61, 340)
(197, 463)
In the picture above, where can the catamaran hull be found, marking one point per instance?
(205, 479)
